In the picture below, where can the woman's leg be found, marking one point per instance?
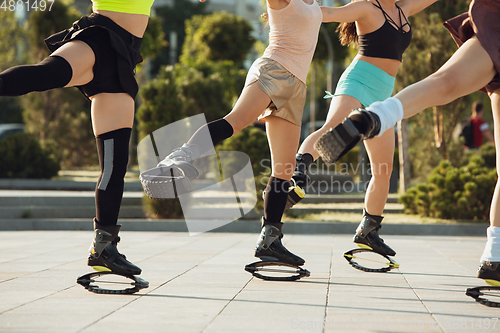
(489, 268)
(340, 107)
(381, 154)
(469, 69)
(112, 120)
(495, 202)
(249, 106)
(70, 65)
(283, 139)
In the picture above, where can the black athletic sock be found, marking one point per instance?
(53, 72)
(217, 130)
(113, 150)
(275, 199)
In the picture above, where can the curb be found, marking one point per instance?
(249, 226)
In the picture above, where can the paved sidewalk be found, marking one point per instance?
(197, 284)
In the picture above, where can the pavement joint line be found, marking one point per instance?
(110, 313)
(227, 304)
(420, 299)
(139, 296)
(327, 301)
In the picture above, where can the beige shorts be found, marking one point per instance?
(287, 92)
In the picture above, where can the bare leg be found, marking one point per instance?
(111, 112)
(81, 59)
(495, 202)
(468, 70)
(340, 107)
(249, 106)
(283, 139)
(381, 153)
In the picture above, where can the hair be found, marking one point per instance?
(347, 32)
(477, 106)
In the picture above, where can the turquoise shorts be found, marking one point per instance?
(365, 82)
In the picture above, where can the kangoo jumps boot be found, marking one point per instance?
(490, 273)
(300, 181)
(270, 248)
(367, 235)
(182, 158)
(104, 255)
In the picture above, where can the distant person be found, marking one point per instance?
(476, 129)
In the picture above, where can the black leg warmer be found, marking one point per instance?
(53, 72)
(113, 149)
(218, 130)
(275, 199)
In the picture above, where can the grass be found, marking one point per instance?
(354, 217)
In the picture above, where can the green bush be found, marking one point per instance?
(456, 192)
(21, 156)
(253, 142)
(162, 209)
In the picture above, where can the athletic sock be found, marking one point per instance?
(275, 199)
(389, 111)
(492, 249)
(209, 135)
(113, 150)
(53, 72)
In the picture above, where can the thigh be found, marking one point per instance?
(470, 67)
(340, 107)
(251, 103)
(111, 112)
(283, 139)
(81, 59)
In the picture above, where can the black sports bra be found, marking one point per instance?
(389, 41)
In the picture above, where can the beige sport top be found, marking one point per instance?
(293, 36)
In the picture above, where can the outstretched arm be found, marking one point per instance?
(351, 12)
(412, 7)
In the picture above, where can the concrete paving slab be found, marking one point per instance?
(197, 284)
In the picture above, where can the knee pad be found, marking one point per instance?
(53, 72)
(113, 150)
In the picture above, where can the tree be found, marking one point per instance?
(173, 19)
(11, 40)
(430, 48)
(216, 37)
(161, 104)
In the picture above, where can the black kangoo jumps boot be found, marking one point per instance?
(270, 248)
(490, 273)
(367, 235)
(104, 255)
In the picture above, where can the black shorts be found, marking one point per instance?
(116, 51)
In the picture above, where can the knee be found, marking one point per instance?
(113, 151)
(446, 85)
(382, 172)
